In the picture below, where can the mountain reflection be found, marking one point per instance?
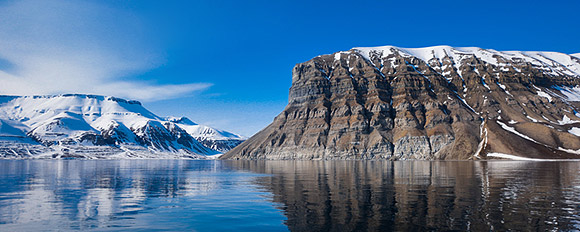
(296, 195)
(129, 194)
(417, 195)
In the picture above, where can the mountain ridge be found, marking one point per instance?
(94, 126)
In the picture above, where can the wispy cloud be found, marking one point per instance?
(59, 46)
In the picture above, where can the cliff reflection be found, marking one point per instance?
(412, 196)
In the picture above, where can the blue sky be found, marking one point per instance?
(228, 64)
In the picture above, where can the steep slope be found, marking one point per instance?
(90, 126)
(426, 103)
(215, 139)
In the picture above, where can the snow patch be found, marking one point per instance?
(543, 94)
(577, 152)
(483, 143)
(337, 56)
(513, 157)
(465, 102)
(533, 119)
(484, 84)
(571, 93)
(216, 156)
(513, 130)
(574, 131)
(566, 120)
(502, 86)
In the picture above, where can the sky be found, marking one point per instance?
(228, 64)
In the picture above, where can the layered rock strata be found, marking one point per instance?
(427, 103)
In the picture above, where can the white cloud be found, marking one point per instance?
(59, 46)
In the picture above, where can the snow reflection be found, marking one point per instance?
(104, 195)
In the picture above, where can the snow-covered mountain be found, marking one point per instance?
(218, 140)
(91, 126)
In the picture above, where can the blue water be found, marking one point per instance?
(191, 195)
(133, 194)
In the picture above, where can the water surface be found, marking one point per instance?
(178, 195)
(288, 195)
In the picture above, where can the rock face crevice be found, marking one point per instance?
(429, 103)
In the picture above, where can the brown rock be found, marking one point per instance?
(385, 103)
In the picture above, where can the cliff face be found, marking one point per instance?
(428, 103)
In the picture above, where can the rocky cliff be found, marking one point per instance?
(426, 103)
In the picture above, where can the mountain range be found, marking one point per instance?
(442, 102)
(92, 126)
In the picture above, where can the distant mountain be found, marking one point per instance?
(91, 126)
(215, 139)
(426, 103)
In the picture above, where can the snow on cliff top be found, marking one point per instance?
(554, 62)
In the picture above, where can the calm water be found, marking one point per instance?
(288, 195)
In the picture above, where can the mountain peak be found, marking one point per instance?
(180, 120)
(80, 96)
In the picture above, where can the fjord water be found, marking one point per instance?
(288, 195)
(121, 195)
